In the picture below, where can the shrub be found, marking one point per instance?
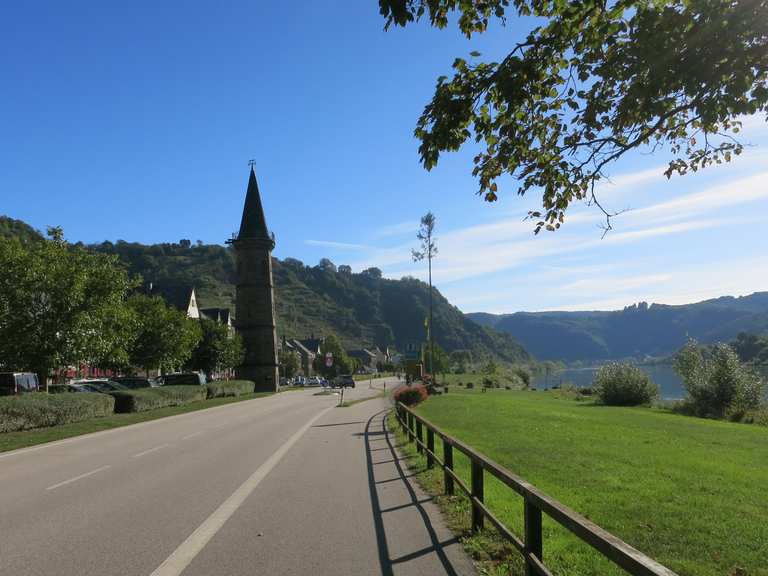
(620, 384)
(39, 410)
(470, 385)
(410, 395)
(718, 385)
(151, 398)
(221, 388)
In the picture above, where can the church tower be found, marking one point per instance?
(254, 299)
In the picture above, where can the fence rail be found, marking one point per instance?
(535, 503)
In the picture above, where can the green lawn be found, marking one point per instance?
(689, 492)
(14, 440)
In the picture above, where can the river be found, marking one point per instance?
(670, 384)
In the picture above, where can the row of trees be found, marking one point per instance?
(63, 305)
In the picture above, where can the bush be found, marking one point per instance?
(470, 385)
(718, 385)
(39, 410)
(619, 384)
(151, 398)
(221, 388)
(410, 395)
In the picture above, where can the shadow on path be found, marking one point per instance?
(393, 475)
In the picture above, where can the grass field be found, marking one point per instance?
(14, 440)
(691, 493)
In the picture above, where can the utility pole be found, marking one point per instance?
(427, 250)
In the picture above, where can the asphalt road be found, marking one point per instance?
(283, 485)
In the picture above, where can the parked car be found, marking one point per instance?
(344, 381)
(134, 382)
(299, 381)
(12, 383)
(184, 379)
(102, 385)
(313, 381)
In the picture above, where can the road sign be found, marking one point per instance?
(329, 359)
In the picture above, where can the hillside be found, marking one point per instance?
(362, 309)
(637, 331)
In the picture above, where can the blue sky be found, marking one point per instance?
(136, 121)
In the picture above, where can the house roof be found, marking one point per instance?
(312, 344)
(253, 224)
(176, 295)
(217, 314)
(301, 348)
(361, 353)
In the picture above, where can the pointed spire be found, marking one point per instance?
(253, 224)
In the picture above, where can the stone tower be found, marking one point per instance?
(254, 299)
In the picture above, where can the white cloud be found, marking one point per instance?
(337, 245)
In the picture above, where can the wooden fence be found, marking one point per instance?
(535, 503)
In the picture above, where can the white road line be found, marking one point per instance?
(76, 478)
(175, 564)
(188, 436)
(155, 449)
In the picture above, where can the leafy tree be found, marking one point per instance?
(441, 362)
(623, 384)
(460, 360)
(219, 348)
(165, 337)
(61, 305)
(590, 83)
(289, 363)
(717, 383)
(342, 363)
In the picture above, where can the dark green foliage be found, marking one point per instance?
(752, 349)
(10, 228)
(152, 398)
(363, 308)
(229, 388)
(589, 83)
(637, 331)
(620, 384)
(219, 348)
(39, 410)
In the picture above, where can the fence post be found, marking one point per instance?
(430, 448)
(448, 459)
(477, 492)
(410, 427)
(533, 537)
(419, 435)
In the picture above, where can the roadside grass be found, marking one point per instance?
(348, 403)
(366, 377)
(24, 439)
(689, 492)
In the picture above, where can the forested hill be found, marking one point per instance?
(363, 309)
(637, 331)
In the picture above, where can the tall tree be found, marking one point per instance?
(342, 363)
(61, 305)
(219, 349)
(165, 336)
(426, 251)
(592, 82)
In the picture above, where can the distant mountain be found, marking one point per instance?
(637, 331)
(362, 309)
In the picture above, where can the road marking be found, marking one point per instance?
(76, 478)
(175, 564)
(188, 436)
(155, 449)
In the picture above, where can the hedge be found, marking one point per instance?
(145, 399)
(230, 388)
(40, 410)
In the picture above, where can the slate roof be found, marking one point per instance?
(253, 223)
(176, 295)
